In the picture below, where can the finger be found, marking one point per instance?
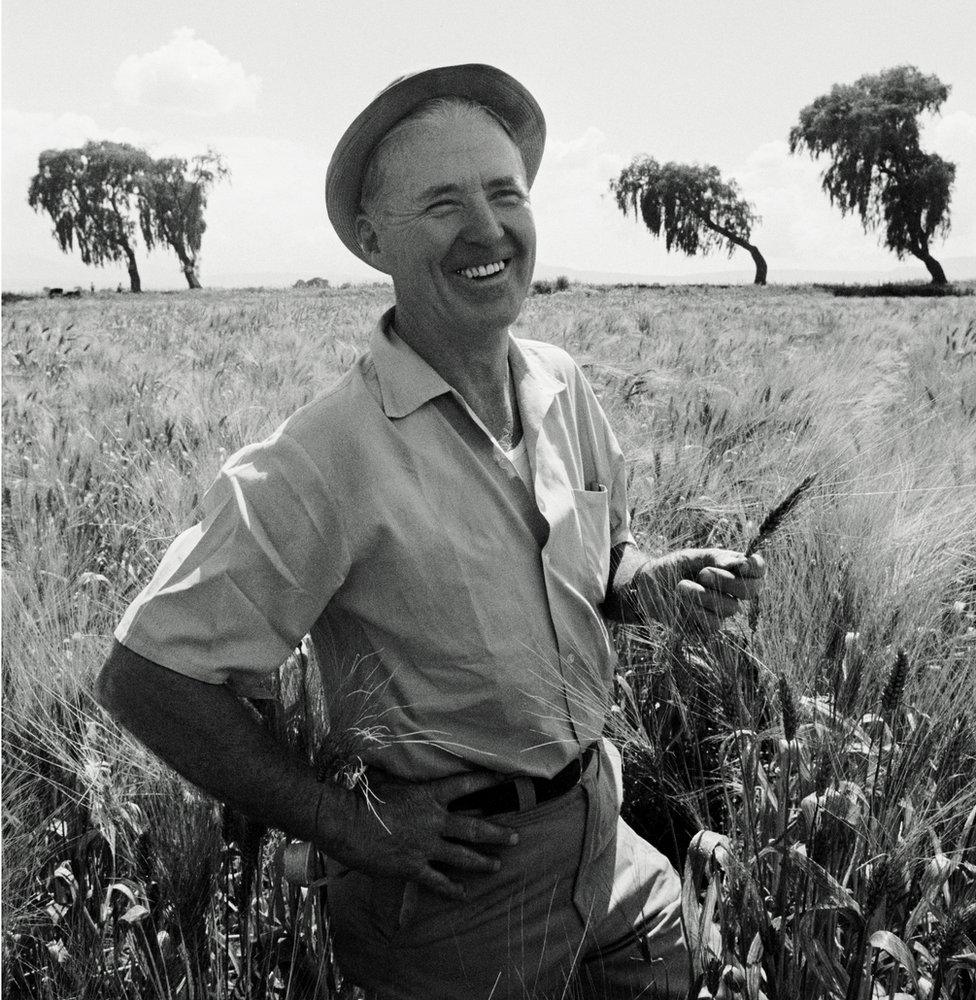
(729, 559)
(757, 565)
(724, 582)
(445, 790)
(438, 882)
(472, 830)
(463, 858)
(695, 596)
(693, 561)
(749, 567)
(728, 582)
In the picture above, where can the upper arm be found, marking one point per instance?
(187, 722)
(128, 682)
(233, 596)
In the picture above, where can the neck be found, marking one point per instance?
(471, 364)
(477, 369)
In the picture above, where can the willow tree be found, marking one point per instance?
(173, 204)
(695, 209)
(92, 195)
(870, 131)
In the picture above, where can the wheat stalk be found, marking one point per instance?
(775, 518)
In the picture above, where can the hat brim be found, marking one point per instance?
(486, 85)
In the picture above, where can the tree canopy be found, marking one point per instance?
(695, 209)
(101, 194)
(870, 131)
(174, 203)
(92, 195)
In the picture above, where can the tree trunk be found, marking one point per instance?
(757, 257)
(135, 282)
(934, 267)
(192, 278)
(760, 263)
(188, 265)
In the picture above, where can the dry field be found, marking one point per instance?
(830, 735)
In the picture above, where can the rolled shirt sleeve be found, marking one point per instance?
(235, 594)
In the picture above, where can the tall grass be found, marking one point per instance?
(827, 736)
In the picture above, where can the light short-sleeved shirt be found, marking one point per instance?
(369, 522)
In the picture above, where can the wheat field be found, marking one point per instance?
(827, 740)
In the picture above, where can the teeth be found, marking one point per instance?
(483, 270)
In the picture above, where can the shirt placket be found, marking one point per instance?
(550, 480)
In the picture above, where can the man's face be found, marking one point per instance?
(452, 226)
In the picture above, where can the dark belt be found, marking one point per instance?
(504, 797)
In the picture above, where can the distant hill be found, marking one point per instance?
(68, 272)
(957, 269)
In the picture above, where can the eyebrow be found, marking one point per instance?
(438, 190)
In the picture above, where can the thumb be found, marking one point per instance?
(690, 562)
(445, 790)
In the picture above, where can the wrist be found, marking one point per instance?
(649, 589)
(335, 809)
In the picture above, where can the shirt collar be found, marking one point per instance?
(535, 386)
(407, 381)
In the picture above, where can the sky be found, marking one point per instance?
(272, 87)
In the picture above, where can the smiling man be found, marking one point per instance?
(449, 524)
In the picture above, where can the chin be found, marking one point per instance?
(498, 316)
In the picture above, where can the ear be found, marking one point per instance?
(369, 241)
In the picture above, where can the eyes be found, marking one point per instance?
(505, 197)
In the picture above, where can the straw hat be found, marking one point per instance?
(486, 85)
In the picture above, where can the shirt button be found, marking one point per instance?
(571, 658)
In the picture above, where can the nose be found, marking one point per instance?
(481, 224)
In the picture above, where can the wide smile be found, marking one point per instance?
(484, 272)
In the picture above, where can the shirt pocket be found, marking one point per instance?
(593, 518)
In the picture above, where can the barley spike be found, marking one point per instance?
(895, 687)
(772, 521)
(787, 704)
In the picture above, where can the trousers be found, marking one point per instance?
(582, 909)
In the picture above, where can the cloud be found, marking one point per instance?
(187, 74)
(34, 131)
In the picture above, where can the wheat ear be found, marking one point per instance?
(774, 519)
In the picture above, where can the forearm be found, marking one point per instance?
(211, 738)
